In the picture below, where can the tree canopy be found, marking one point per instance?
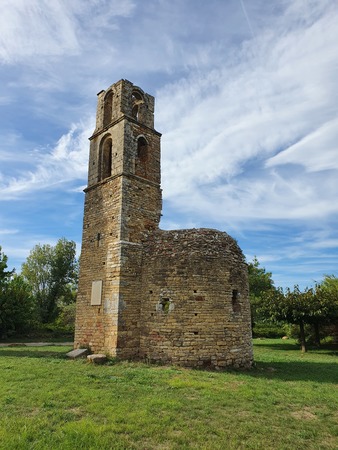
(260, 281)
(313, 306)
(16, 302)
(52, 273)
(4, 274)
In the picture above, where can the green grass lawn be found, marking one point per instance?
(289, 401)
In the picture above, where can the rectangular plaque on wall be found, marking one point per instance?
(96, 293)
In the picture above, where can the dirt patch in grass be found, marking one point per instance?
(304, 414)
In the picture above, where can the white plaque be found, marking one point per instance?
(96, 293)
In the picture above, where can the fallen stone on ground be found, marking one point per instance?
(97, 358)
(77, 353)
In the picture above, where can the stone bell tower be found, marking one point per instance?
(122, 201)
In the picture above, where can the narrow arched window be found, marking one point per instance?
(142, 149)
(137, 100)
(134, 112)
(141, 157)
(108, 109)
(106, 159)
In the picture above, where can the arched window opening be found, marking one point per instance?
(141, 157)
(142, 149)
(106, 159)
(137, 100)
(134, 112)
(108, 109)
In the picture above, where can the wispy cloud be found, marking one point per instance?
(65, 162)
(35, 28)
(225, 132)
(53, 29)
(4, 231)
(317, 151)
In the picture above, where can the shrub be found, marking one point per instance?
(267, 330)
(66, 318)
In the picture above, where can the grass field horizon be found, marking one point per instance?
(289, 400)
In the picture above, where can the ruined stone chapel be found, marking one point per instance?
(178, 297)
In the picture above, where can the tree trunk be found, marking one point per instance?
(317, 337)
(302, 337)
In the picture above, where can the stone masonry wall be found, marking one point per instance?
(195, 309)
(118, 209)
(96, 326)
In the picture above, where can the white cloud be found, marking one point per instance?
(52, 29)
(66, 162)
(5, 231)
(221, 126)
(317, 151)
(35, 28)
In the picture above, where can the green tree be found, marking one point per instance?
(326, 304)
(260, 282)
(17, 307)
(16, 303)
(4, 274)
(52, 273)
(291, 306)
(329, 289)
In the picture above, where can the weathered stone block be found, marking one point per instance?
(77, 353)
(97, 358)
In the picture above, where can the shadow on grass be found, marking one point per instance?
(297, 371)
(29, 352)
(281, 346)
(317, 372)
(284, 360)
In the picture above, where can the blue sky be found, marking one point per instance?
(246, 100)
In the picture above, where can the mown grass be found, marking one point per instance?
(289, 401)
